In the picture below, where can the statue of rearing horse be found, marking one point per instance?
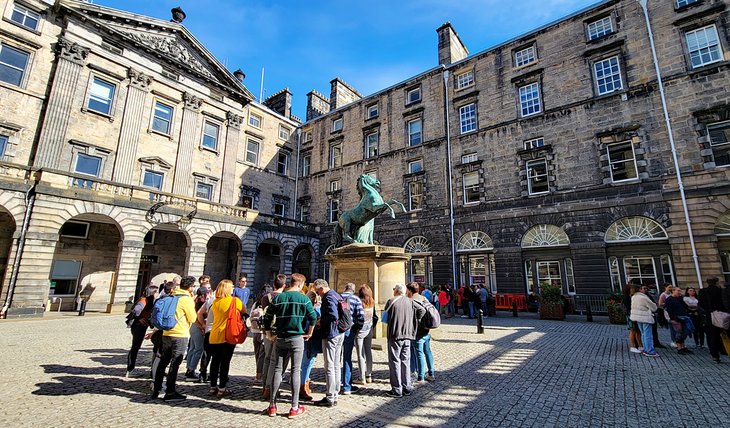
(356, 225)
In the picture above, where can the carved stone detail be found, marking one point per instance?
(138, 79)
(234, 120)
(172, 49)
(72, 51)
(192, 102)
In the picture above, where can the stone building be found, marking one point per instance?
(545, 159)
(128, 151)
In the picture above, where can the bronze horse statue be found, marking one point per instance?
(356, 225)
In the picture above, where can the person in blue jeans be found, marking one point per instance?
(642, 309)
(421, 356)
(348, 346)
(312, 347)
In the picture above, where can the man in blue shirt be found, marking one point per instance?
(331, 341)
(241, 291)
(358, 320)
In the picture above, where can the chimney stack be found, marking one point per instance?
(280, 102)
(317, 105)
(342, 94)
(451, 49)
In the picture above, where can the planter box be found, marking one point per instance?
(616, 314)
(552, 311)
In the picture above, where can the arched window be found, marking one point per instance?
(545, 235)
(474, 241)
(635, 229)
(722, 228)
(417, 244)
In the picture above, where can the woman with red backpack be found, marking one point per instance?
(221, 348)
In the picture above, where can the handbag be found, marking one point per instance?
(720, 319)
(236, 331)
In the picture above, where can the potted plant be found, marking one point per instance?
(615, 308)
(552, 306)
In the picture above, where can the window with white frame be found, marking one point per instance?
(307, 136)
(203, 189)
(334, 210)
(334, 185)
(468, 158)
(372, 111)
(210, 135)
(415, 128)
(13, 63)
(337, 125)
(641, 269)
(534, 143)
(703, 46)
(306, 165)
(3, 145)
(252, 151)
(622, 161)
(371, 145)
(683, 3)
(537, 176)
(284, 132)
(548, 273)
(304, 213)
(87, 165)
(413, 95)
(336, 155)
(162, 118)
(282, 163)
(25, 17)
(599, 28)
(471, 187)
(255, 120)
(101, 96)
(247, 201)
(607, 73)
(278, 209)
(468, 118)
(153, 179)
(525, 56)
(720, 142)
(464, 80)
(530, 99)
(415, 166)
(415, 195)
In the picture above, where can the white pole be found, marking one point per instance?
(261, 92)
(671, 142)
(450, 186)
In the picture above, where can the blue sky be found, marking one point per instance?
(371, 45)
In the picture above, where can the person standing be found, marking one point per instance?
(402, 319)
(364, 343)
(292, 311)
(444, 300)
(256, 320)
(483, 296)
(710, 300)
(222, 351)
(690, 299)
(642, 309)
(269, 352)
(175, 341)
(139, 321)
(332, 339)
(423, 362)
(197, 333)
(635, 336)
(242, 291)
(356, 312)
(678, 319)
(312, 347)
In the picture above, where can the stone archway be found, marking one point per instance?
(165, 251)
(7, 230)
(302, 261)
(223, 253)
(269, 256)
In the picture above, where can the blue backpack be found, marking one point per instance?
(163, 313)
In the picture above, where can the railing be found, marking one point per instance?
(287, 222)
(597, 303)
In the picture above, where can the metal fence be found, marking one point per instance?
(597, 303)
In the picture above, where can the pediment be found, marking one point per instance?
(156, 160)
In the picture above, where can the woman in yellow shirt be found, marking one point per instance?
(221, 351)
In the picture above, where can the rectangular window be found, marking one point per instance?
(464, 80)
(667, 271)
(608, 75)
(334, 185)
(468, 118)
(25, 17)
(530, 99)
(471, 187)
(537, 177)
(548, 273)
(413, 95)
(254, 120)
(600, 28)
(88, 165)
(468, 158)
(101, 96)
(204, 191)
(371, 145)
(152, 179)
(641, 269)
(3, 145)
(149, 237)
(304, 213)
(162, 121)
(621, 160)
(75, 229)
(534, 143)
(278, 209)
(337, 125)
(415, 166)
(65, 277)
(284, 133)
(246, 201)
(252, 152)
(210, 135)
(415, 195)
(12, 64)
(336, 156)
(306, 165)
(308, 136)
(282, 163)
(720, 142)
(415, 132)
(524, 56)
(683, 3)
(703, 46)
(334, 210)
(372, 111)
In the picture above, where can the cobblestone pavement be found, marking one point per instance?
(522, 372)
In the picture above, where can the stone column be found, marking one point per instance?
(33, 284)
(71, 59)
(229, 196)
(131, 125)
(127, 272)
(184, 161)
(196, 260)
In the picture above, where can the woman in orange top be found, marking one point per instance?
(221, 351)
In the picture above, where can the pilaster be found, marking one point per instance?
(134, 107)
(229, 195)
(196, 260)
(127, 272)
(184, 161)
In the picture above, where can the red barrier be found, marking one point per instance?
(504, 301)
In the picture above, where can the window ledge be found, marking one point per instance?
(534, 195)
(464, 134)
(519, 68)
(19, 25)
(601, 38)
(467, 87)
(161, 134)
(617, 92)
(471, 204)
(707, 68)
(622, 182)
(208, 149)
(108, 117)
(367, 119)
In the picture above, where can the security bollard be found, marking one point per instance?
(82, 308)
(480, 325)
(514, 309)
(589, 314)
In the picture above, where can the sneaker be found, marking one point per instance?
(213, 391)
(641, 348)
(685, 351)
(203, 377)
(271, 411)
(325, 402)
(353, 390)
(222, 392)
(294, 413)
(191, 375)
(674, 345)
(155, 395)
(393, 394)
(635, 350)
(430, 378)
(407, 392)
(369, 379)
(650, 354)
(174, 396)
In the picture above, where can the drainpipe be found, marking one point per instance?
(29, 203)
(296, 176)
(450, 180)
(668, 123)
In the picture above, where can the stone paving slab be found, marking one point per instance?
(522, 372)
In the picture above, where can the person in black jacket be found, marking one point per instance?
(711, 300)
(139, 321)
(678, 319)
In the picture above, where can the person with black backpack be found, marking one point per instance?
(138, 320)
(333, 324)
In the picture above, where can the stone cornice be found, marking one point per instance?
(71, 51)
